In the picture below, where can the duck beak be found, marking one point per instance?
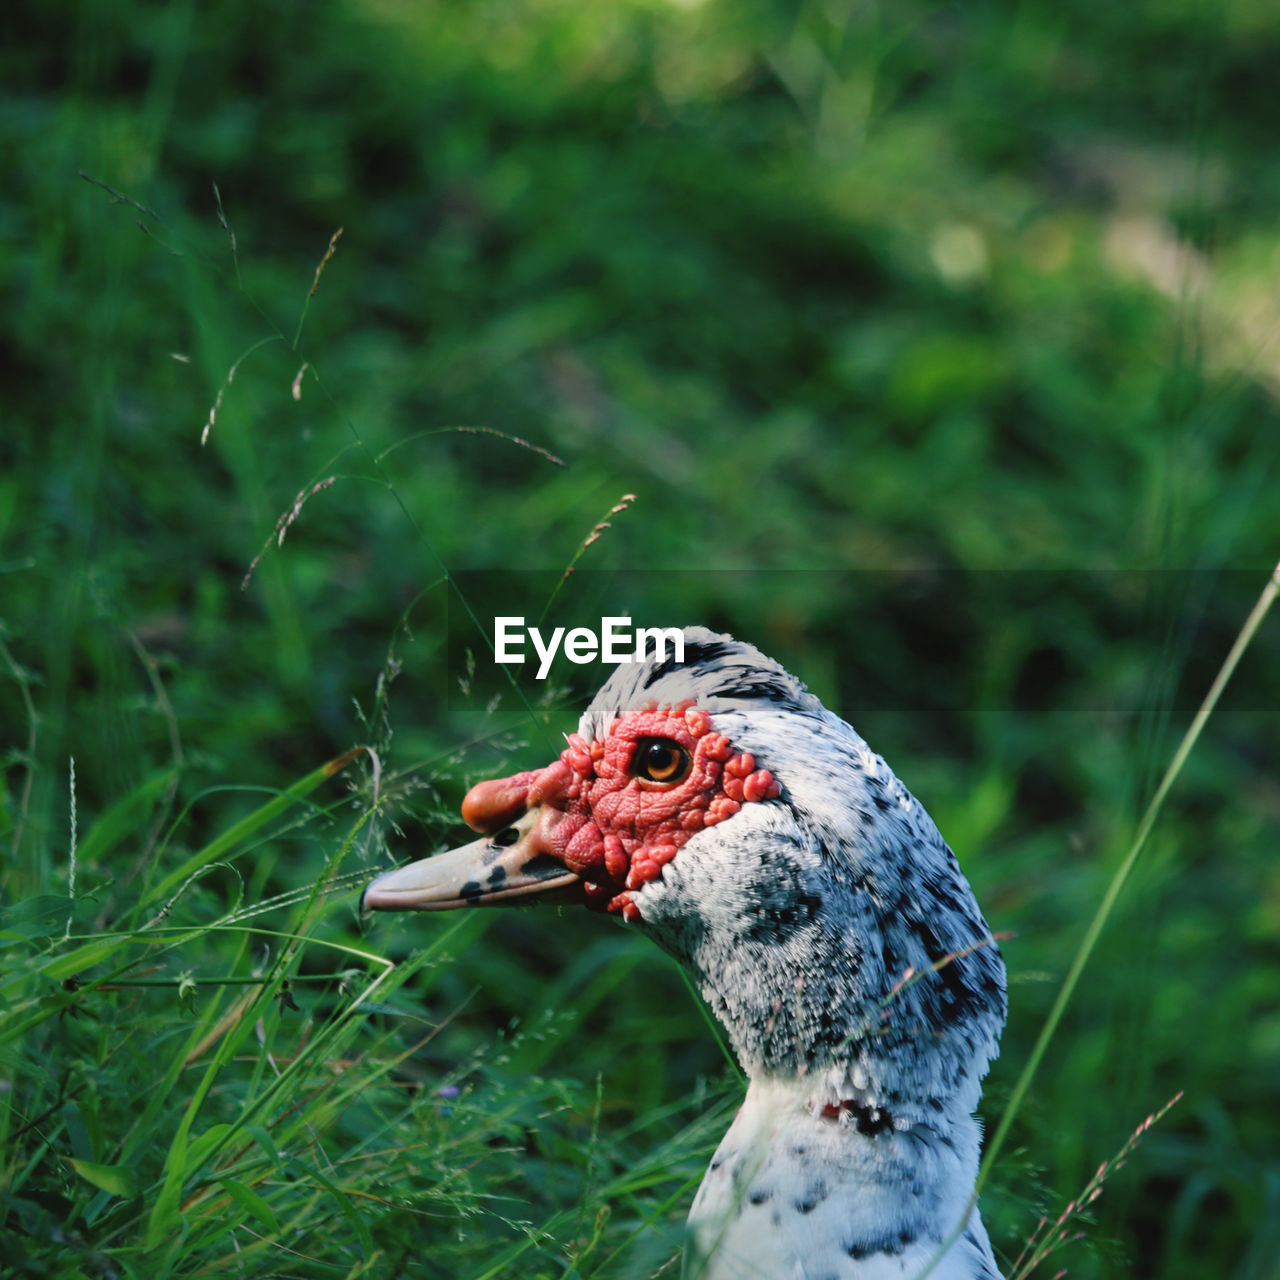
(503, 867)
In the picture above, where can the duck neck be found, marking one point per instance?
(841, 1187)
(873, 1046)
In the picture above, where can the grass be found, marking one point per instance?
(307, 1138)
(932, 346)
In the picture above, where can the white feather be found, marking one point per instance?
(833, 934)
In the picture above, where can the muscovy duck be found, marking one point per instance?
(717, 805)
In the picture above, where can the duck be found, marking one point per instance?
(716, 805)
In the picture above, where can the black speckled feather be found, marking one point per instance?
(834, 935)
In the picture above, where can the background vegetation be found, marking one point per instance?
(938, 347)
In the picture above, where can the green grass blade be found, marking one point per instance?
(251, 1201)
(122, 819)
(1109, 899)
(115, 1179)
(341, 1199)
(250, 824)
(1100, 917)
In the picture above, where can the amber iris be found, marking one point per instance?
(661, 760)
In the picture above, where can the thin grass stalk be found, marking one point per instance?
(1109, 899)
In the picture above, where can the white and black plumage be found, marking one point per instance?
(718, 806)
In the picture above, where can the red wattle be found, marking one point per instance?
(614, 829)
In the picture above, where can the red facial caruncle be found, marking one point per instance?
(616, 810)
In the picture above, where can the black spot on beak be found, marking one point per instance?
(543, 866)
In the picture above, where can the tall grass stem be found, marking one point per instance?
(1100, 917)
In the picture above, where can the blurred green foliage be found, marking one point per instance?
(937, 344)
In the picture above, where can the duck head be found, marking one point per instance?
(717, 806)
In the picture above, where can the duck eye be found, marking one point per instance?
(660, 760)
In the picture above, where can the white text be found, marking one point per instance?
(615, 643)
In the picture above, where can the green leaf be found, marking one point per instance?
(164, 1213)
(35, 917)
(251, 1201)
(264, 1139)
(115, 1179)
(82, 958)
(199, 1149)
